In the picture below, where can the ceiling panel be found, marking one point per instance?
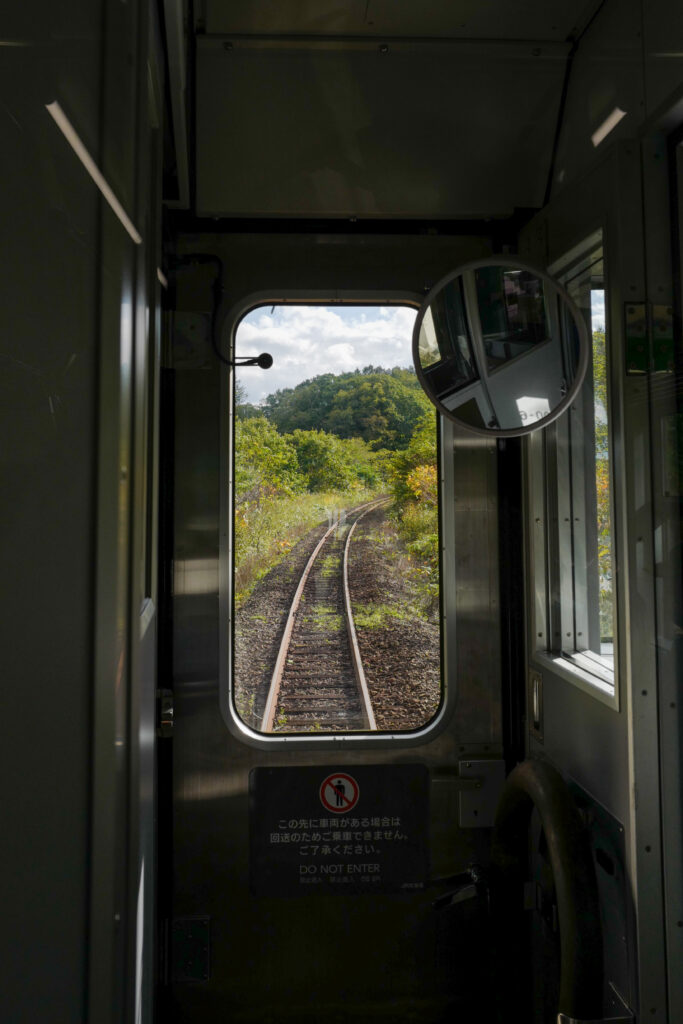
(433, 132)
(473, 19)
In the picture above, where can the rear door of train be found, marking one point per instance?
(330, 811)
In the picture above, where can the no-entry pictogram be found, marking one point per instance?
(339, 793)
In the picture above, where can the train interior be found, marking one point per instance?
(169, 168)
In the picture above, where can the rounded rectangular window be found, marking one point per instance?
(336, 523)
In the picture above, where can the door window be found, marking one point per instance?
(335, 527)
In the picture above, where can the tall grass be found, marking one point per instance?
(267, 528)
(418, 528)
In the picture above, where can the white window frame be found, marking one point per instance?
(561, 517)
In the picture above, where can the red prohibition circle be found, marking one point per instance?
(339, 793)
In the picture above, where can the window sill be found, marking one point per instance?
(591, 663)
(580, 671)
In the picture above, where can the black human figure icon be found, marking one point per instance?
(339, 791)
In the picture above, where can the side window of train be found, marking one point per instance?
(336, 582)
(571, 495)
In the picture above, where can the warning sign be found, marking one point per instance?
(321, 829)
(339, 793)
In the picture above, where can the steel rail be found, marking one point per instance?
(366, 702)
(278, 671)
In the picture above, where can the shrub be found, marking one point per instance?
(328, 462)
(265, 461)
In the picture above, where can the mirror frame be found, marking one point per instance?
(504, 260)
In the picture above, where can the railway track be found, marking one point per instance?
(318, 683)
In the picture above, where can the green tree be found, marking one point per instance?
(331, 463)
(381, 407)
(413, 476)
(244, 410)
(264, 460)
(420, 451)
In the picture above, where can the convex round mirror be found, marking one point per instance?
(500, 347)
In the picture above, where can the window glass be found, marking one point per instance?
(603, 478)
(572, 494)
(335, 539)
(591, 490)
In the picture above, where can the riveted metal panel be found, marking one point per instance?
(251, 935)
(613, 754)
(325, 128)
(383, 18)
(49, 212)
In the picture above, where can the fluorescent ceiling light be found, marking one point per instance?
(162, 278)
(608, 125)
(71, 136)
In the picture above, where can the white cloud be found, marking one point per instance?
(598, 310)
(342, 354)
(305, 341)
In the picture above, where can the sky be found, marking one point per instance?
(598, 309)
(306, 341)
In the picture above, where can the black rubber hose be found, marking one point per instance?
(536, 784)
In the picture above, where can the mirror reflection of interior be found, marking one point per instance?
(492, 351)
(511, 313)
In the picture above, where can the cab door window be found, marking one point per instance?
(335, 527)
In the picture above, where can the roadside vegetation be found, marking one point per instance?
(325, 445)
(413, 477)
(602, 486)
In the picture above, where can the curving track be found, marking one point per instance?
(318, 681)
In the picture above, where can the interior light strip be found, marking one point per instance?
(162, 278)
(608, 125)
(71, 136)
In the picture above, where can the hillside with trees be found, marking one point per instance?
(330, 443)
(381, 407)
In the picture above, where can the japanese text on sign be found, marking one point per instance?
(382, 847)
